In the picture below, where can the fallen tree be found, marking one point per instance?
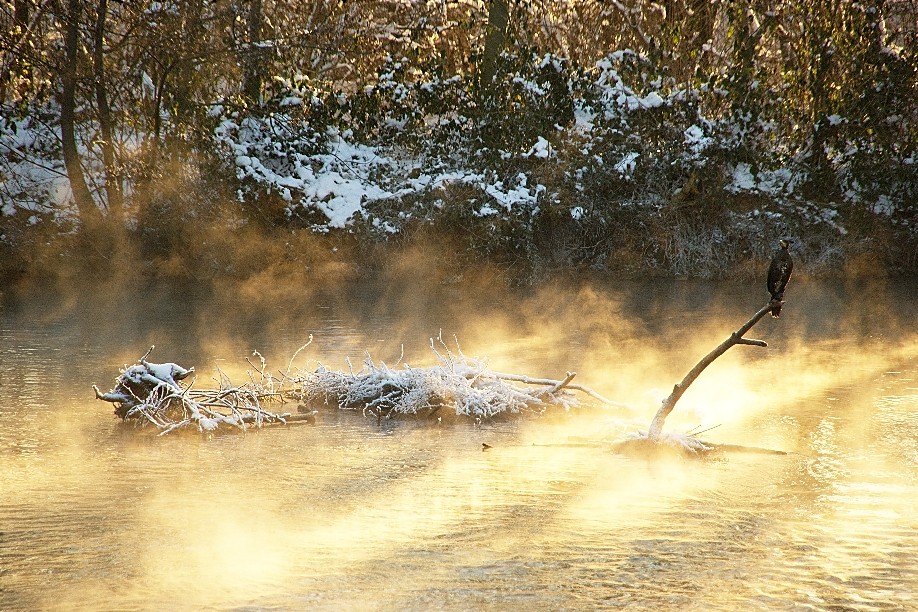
(459, 387)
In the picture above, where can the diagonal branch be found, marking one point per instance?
(656, 426)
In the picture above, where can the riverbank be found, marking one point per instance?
(731, 239)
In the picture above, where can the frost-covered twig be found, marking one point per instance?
(460, 384)
(151, 394)
(684, 442)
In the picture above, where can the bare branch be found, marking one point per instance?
(751, 342)
(656, 426)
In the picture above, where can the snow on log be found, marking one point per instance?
(150, 394)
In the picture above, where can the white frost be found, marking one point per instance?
(541, 149)
(627, 164)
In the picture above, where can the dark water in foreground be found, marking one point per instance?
(346, 514)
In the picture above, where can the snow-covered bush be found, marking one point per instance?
(618, 134)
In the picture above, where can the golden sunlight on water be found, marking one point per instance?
(348, 514)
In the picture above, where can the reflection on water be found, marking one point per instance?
(349, 515)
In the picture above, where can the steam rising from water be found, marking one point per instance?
(350, 515)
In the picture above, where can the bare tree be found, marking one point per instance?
(86, 205)
(20, 31)
(113, 189)
(495, 37)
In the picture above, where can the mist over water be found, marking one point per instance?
(350, 515)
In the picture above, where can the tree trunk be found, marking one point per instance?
(656, 427)
(113, 190)
(498, 17)
(86, 206)
(13, 63)
(251, 86)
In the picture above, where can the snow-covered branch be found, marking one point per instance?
(458, 387)
(151, 394)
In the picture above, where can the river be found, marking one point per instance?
(351, 514)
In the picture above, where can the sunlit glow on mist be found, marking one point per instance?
(394, 515)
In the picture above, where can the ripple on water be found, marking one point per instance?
(347, 514)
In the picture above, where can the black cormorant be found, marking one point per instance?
(778, 274)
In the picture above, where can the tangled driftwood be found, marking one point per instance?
(150, 394)
(459, 387)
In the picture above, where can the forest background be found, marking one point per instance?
(205, 139)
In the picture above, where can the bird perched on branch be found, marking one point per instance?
(779, 272)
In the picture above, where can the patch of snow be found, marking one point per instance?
(291, 101)
(385, 226)
(743, 179)
(510, 197)
(207, 424)
(541, 149)
(652, 100)
(627, 164)
(695, 139)
(884, 206)
(529, 86)
(583, 120)
(773, 182)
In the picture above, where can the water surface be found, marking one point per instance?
(347, 514)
